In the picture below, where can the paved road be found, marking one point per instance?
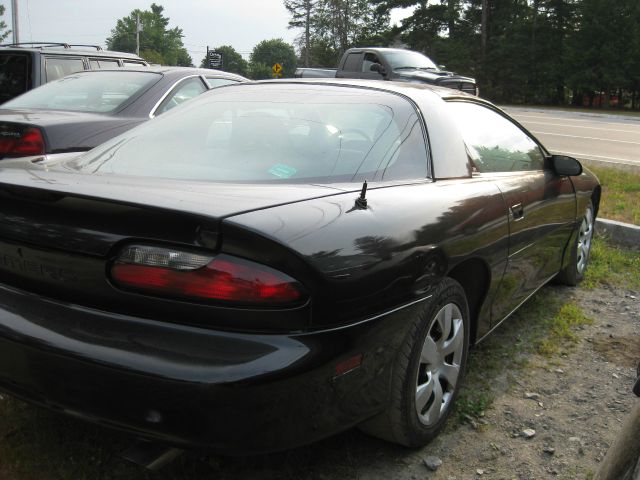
(603, 138)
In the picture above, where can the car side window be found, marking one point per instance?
(494, 143)
(61, 67)
(219, 82)
(369, 59)
(131, 63)
(352, 63)
(186, 90)
(102, 63)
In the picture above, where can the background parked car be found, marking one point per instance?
(275, 262)
(84, 109)
(24, 66)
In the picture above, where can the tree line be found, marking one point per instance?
(580, 52)
(520, 51)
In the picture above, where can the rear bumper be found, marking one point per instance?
(233, 393)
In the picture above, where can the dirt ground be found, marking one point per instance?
(575, 401)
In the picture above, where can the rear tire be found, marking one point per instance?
(428, 370)
(575, 270)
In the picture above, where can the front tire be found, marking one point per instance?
(428, 370)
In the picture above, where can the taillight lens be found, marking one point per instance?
(15, 143)
(170, 272)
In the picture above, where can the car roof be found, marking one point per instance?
(379, 49)
(168, 71)
(408, 89)
(55, 48)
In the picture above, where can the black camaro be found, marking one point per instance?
(272, 263)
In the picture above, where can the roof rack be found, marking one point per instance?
(49, 44)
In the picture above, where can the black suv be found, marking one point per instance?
(24, 66)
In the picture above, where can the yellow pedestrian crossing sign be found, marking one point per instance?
(276, 69)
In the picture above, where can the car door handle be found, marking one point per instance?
(517, 211)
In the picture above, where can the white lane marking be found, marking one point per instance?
(584, 138)
(610, 159)
(571, 119)
(577, 126)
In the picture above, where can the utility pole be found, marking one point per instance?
(137, 33)
(14, 21)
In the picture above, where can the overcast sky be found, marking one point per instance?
(239, 23)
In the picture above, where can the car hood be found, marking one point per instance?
(433, 76)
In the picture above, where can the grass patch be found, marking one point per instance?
(562, 329)
(620, 194)
(612, 266)
(544, 325)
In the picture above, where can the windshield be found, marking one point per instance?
(404, 59)
(14, 75)
(97, 92)
(283, 133)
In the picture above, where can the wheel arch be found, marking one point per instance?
(595, 199)
(475, 278)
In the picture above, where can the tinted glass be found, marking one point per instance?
(14, 75)
(103, 64)
(494, 143)
(402, 59)
(87, 92)
(352, 63)
(369, 59)
(272, 133)
(219, 82)
(130, 63)
(187, 89)
(61, 67)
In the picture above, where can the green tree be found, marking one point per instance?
(268, 53)
(343, 24)
(232, 61)
(4, 31)
(604, 51)
(302, 16)
(158, 42)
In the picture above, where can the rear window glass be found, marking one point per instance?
(14, 75)
(97, 92)
(273, 133)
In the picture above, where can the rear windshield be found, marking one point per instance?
(272, 133)
(98, 92)
(14, 75)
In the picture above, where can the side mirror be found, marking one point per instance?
(376, 67)
(442, 67)
(564, 165)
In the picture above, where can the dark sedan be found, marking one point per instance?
(83, 110)
(275, 262)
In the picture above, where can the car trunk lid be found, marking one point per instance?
(60, 231)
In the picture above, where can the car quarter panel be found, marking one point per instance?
(363, 261)
(230, 392)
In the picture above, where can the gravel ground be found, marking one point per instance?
(575, 401)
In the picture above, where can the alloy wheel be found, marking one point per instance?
(584, 241)
(440, 363)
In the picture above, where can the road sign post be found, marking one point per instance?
(215, 60)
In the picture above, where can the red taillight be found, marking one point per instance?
(223, 277)
(25, 144)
